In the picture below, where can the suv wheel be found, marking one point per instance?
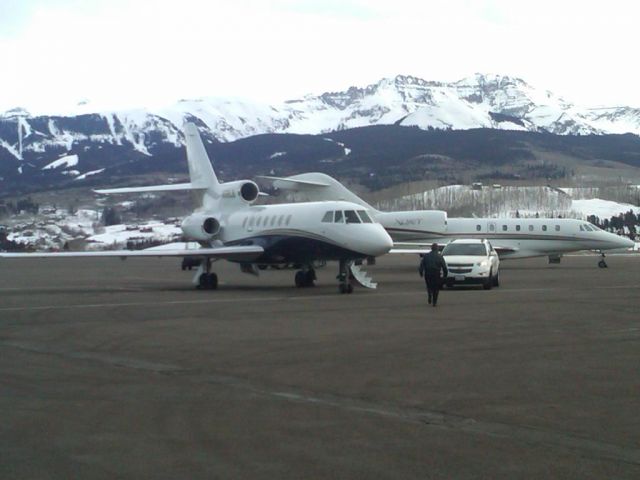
(488, 283)
(496, 279)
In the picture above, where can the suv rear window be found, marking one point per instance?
(465, 249)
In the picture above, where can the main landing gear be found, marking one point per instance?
(305, 278)
(344, 277)
(602, 263)
(207, 280)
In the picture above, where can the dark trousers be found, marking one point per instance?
(433, 286)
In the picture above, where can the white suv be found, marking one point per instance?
(472, 261)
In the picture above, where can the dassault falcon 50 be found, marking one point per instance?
(414, 230)
(228, 226)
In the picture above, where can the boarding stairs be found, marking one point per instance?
(362, 277)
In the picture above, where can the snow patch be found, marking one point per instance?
(65, 162)
(601, 208)
(88, 174)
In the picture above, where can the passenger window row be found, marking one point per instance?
(505, 228)
(347, 216)
(266, 221)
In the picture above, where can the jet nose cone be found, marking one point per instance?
(618, 241)
(380, 242)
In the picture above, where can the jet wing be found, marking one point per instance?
(291, 183)
(401, 248)
(153, 188)
(237, 253)
(421, 248)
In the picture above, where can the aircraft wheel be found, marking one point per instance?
(342, 288)
(602, 264)
(213, 281)
(300, 279)
(349, 288)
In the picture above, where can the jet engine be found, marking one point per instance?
(244, 190)
(201, 227)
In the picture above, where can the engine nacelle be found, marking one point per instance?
(201, 227)
(244, 190)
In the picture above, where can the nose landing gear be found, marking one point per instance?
(602, 263)
(343, 277)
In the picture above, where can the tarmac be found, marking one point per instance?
(114, 369)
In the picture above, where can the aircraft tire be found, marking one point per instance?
(300, 279)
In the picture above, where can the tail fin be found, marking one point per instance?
(200, 169)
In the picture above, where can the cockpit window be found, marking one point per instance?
(364, 216)
(588, 228)
(351, 216)
(328, 217)
(581, 228)
(338, 218)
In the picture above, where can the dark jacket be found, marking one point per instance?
(431, 264)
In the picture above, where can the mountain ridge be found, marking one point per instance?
(120, 139)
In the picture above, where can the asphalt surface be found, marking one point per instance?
(112, 369)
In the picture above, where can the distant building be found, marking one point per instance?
(476, 186)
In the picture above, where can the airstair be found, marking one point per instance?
(362, 277)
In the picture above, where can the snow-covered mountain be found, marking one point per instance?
(480, 101)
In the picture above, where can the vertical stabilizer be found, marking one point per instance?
(200, 169)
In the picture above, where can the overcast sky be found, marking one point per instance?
(121, 53)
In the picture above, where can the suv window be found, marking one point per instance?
(465, 249)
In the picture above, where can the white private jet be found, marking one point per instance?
(228, 226)
(414, 230)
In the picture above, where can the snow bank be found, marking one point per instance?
(601, 208)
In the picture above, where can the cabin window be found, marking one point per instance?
(517, 228)
(244, 222)
(492, 227)
(328, 217)
(273, 220)
(504, 228)
(280, 220)
(478, 228)
(251, 221)
(557, 228)
(531, 228)
(338, 218)
(544, 228)
(364, 216)
(351, 216)
(288, 220)
(258, 220)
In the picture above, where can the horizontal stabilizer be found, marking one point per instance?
(246, 253)
(153, 188)
(293, 181)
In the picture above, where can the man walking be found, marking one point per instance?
(430, 266)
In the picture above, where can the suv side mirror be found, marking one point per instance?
(493, 253)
